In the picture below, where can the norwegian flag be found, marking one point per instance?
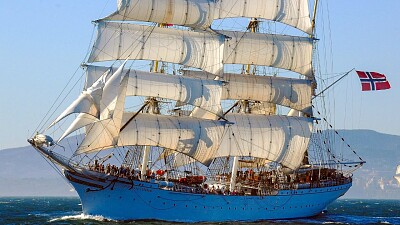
(372, 81)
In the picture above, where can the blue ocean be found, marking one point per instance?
(59, 210)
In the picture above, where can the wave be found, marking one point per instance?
(82, 217)
(332, 222)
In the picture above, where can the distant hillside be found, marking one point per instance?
(382, 153)
(25, 173)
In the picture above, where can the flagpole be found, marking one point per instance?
(332, 84)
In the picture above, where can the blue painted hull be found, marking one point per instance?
(136, 200)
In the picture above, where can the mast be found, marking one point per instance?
(153, 108)
(145, 162)
(253, 27)
(314, 17)
(244, 105)
(235, 167)
(312, 35)
(314, 83)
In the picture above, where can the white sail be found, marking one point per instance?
(194, 137)
(97, 137)
(80, 121)
(88, 101)
(83, 104)
(182, 160)
(397, 177)
(276, 138)
(190, 13)
(116, 107)
(130, 41)
(111, 91)
(201, 49)
(93, 73)
(179, 159)
(280, 51)
(292, 12)
(111, 106)
(201, 13)
(205, 94)
(293, 93)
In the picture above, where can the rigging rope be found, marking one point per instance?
(342, 139)
(43, 122)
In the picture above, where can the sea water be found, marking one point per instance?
(59, 210)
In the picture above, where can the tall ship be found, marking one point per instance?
(201, 110)
(397, 175)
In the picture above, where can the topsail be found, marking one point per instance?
(199, 14)
(117, 41)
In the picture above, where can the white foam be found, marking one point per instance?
(329, 222)
(82, 217)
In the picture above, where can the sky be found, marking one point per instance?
(43, 43)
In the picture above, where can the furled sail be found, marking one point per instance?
(201, 13)
(280, 51)
(197, 138)
(254, 163)
(205, 94)
(265, 108)
(190, 13)
(276, 138)
(293, 93)
(292, 12)
(130, 41)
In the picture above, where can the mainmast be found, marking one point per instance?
(244, 105)
(152, 108)
(253, 27)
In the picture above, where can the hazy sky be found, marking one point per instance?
(43, 42)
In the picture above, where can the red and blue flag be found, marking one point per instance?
(372, 81)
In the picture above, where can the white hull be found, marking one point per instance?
(136, 200)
